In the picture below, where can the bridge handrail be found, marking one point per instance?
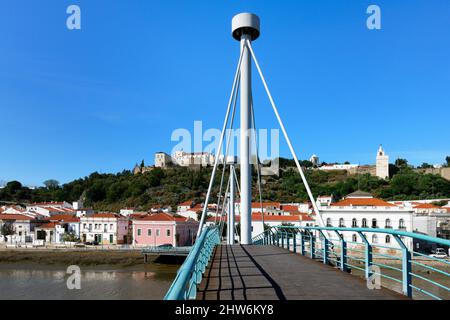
(189, 275)
(285, 235)
(418, 236)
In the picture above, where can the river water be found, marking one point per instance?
(33, 281)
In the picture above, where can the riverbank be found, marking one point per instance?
(73, 257)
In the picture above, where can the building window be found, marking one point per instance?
(354, 238)
(157, 232)
(111, 226)
(401, 224)
(139, 232)
(168, 232)
(388, 224)
(374, 239)
(149, 232)
(354, 223)
(374, 223)
(388, 239)
(364, 223)
(341, 223)
(328, 222)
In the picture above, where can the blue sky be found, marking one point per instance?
(111, 94)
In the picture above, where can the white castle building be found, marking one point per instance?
(184, 159)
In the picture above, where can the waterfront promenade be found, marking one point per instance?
(269, 272)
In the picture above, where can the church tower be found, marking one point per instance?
(382, 164)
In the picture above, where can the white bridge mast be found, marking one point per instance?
(245, 28)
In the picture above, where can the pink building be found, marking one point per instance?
(164, 228)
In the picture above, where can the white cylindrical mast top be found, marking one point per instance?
(245, 26)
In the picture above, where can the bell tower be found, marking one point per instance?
(382, 165)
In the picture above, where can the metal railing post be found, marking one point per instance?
(406, 268)
(302, 244)
(294, 242)
(312, 245)
(367, 255)
(325, 247)
(278, 238)
(343, 264)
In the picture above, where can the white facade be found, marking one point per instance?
(314, 160)
(382, 164)
(104, 229)
(185, 159)
(370, 217)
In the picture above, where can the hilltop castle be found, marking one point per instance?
(192, 160)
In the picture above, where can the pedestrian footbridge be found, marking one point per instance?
(309, 263)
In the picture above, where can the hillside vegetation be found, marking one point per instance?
(110, 192)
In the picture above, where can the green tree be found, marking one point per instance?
(426, 165)
(7, 229)
(401, 163)
(447, 161)
(51, 184)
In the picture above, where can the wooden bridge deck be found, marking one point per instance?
(272, 273)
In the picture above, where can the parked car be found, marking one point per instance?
(165, 246)
(439, 253)
(92, 243)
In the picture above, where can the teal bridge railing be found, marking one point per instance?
(404, 268)
(190, 274)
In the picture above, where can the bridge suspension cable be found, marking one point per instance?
(219, 149)
(286, 136)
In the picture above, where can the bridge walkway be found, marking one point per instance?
(272, 273)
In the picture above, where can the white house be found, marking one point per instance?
(21, 227)
(104, 228)
(360, 209)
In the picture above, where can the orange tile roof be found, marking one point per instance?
(14, 217)
(64, 218)
(186, 203)
(363, 202)
(49, 225)
(426, 206)
(104, 215)
(266, 204)
(290, 208)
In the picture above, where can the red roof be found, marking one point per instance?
(64, 218)
(363, 202)
(14, 217)
(104, 215)
(46, 203)
(49, 225)
(266, 204)
(162, 216)
(186, 203)
(290, 208)
(426, 206)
